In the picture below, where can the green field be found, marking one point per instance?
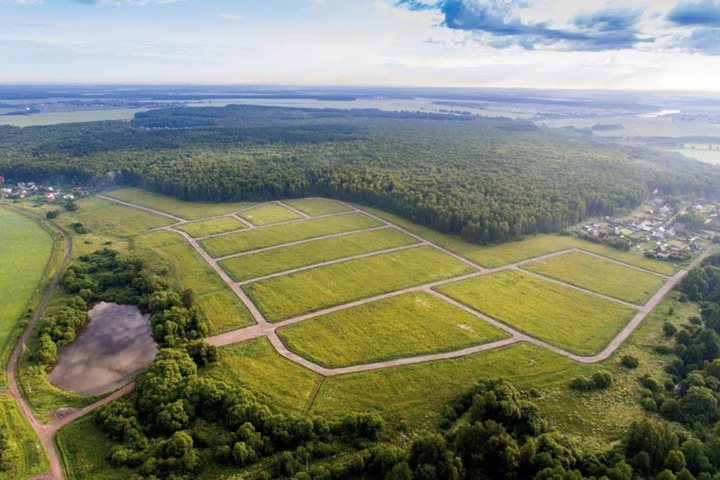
(26, 249)
(23, 457)
(211, 227)
(173, 206)
(312, 290)
(278, 260)
(599, 276)
(280, 234)
(409, 325)
(222, 307)
(317, 206)
(55, 118)
(575, 321)
(275, 380)
(268, 214)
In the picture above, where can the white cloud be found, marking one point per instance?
(232, 16)
(22, 2)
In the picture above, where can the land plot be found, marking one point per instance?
(280, 234)
(173, 206)
(575, 321)
(312, 290)
(317, 206)
(268, 214)
(417, 392)
(256, 366)
(224, 310)
(211, 227)
(22, 459)
(600, 276)
(277, 260)
(405, 326)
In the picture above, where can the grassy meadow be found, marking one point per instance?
(312, 290)
(572, 320)
(174, 206)
(316, 206)
(270, 236)
(268, 214)
(599, 276)
(409, 325)
(203, 228)
(286, 258)
(28, 460)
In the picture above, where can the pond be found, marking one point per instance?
(116, 345)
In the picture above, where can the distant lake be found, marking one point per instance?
(116, 345)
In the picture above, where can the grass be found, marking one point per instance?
(317, 206)
(174, 206)
(54, 118)
(312, 290)
(280, 234)
(405, 326)
(277, 381)
(210, 227)
(24, 257)
(268, 214)
(575, 321)
(599, 276)
(277, 260)
(31, 459)
(222, 307)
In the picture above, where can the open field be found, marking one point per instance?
(575, 321)
(599, 276)
(405, 326)
(268, 214)
(256, 366)
(312, 290)
(30, 460)
(277, 260)
(210, 227)
(173, 206)
(222, 307)
(316, 206)
(54, 118)
(270, 236)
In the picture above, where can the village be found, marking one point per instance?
(46, 193)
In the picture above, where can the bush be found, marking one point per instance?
(629, 361)
(669, 329)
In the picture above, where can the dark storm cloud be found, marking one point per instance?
(705, 13)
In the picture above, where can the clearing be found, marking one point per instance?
(179, 208)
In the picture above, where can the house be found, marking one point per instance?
(49, 197)
(680, 227)
(698, 207)
(602, 235)
(662, 252)
(665, 209)
(671, 232)
(658, 234)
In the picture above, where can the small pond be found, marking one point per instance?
(116, 344)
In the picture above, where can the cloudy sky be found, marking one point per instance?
(628, 44)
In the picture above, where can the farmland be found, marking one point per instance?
(313, 290)
(268, 214)
(317, 206)
(569, 319)
(173, 206)
(404, 326)
(599, 276)
(210, 227)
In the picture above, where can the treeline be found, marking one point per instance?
(486, 180)
(108, 276)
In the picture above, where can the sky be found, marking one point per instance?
(625, 45)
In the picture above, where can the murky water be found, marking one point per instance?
(115, 346)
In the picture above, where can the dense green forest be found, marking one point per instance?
(488, 180)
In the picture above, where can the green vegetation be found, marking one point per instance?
(405, 326)
(317, 206)
(20, 458)
(312, 290)
(24, 256)
(575, 321)
(211, 227)
(268, 214)
(599, 276)
(286, 258)
(280, 234)
(183, 209)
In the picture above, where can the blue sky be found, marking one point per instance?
(638, 44)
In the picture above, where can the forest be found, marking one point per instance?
(488, 180)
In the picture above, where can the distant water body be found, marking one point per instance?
(661, 113)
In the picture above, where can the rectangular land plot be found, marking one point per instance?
(599, 276)
(256, 366)
(409, 325)
(173, 206)
(103, 217)
(317, 206)
(203, 228)
(268, 214)
(249, 240)
(313, 290)
(224, 310)
(281, 259)
(572, 320)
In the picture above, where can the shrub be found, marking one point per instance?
(629, 361)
